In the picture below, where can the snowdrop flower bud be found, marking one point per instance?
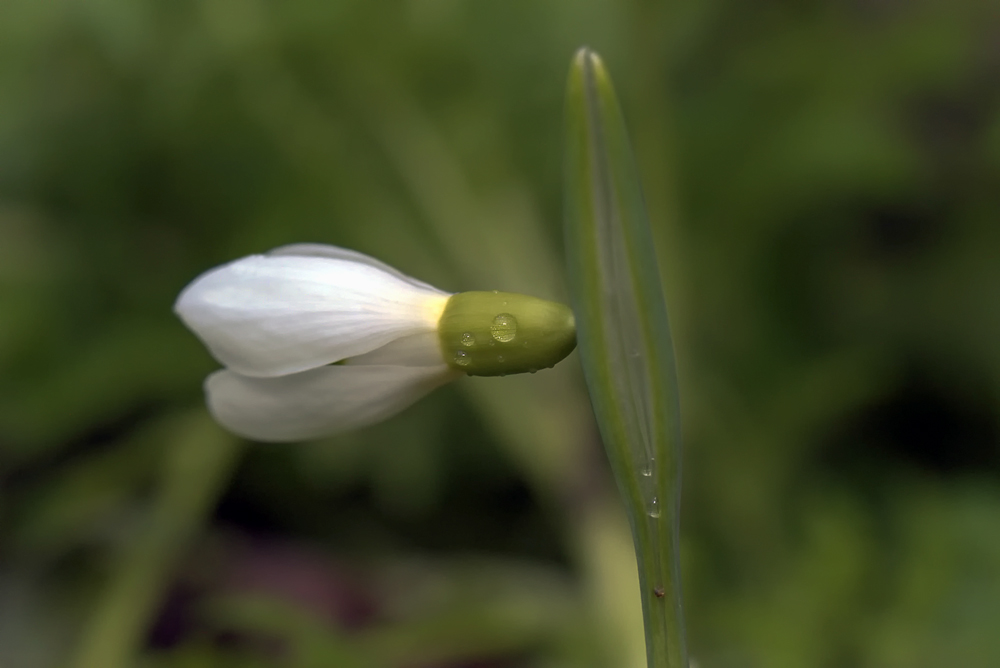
(317, 339)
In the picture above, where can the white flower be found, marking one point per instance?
(318, 340)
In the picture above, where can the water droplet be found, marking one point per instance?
(500, 358)
(654, 508)
(468, 339)
(648, 472)
(532, 370)
(504, 328)
(496, 292)
(462, 358)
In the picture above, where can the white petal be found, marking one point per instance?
(270, 315)
(422, 349)
(319, 402)
(338, 253)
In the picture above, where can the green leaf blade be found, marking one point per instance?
(624, 341)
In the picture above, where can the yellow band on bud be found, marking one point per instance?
(499, 333)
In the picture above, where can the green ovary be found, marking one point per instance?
(499, 333)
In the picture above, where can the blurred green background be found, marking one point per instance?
(824, 178)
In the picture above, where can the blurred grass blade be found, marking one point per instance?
(624, 342)
(199, 461)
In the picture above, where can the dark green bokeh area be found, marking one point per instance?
(824, 184)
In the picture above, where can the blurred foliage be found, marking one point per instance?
(824, 178)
